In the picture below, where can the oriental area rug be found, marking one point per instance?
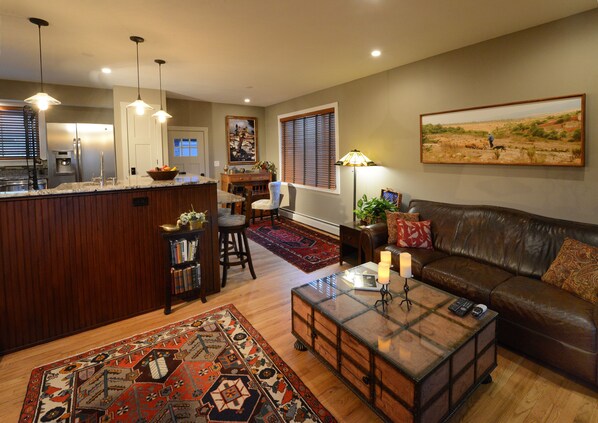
(302, 247)
(214, 367)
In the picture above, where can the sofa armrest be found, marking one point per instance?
(372, 237)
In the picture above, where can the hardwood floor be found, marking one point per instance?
(522, 391)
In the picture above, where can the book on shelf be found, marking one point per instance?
(183, 250)
(186, 279)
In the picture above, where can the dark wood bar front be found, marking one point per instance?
(71, 262)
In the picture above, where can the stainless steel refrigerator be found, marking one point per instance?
(75, 152)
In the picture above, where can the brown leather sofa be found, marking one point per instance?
(496, 256)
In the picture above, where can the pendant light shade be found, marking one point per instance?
(41, 99)
(139, 105)
(161, 114)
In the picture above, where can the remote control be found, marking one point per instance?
(461, 307)
(479, 310)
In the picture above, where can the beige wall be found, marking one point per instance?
(78, 104)
(212, 116)
(380, 116)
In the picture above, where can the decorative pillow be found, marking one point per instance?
(414, 234)
(572, 256)
(584, 283)
(391, 222)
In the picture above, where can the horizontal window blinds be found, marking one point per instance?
(309, 149)
(14, 134)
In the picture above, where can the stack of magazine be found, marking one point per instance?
(365, 282)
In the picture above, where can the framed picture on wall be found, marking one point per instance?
(241, 140)
(547, 132)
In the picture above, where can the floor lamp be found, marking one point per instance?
(355, 158)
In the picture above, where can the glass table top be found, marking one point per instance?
(414, 339)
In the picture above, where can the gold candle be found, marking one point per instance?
(385, 257)
(383, 273)
(405, 265)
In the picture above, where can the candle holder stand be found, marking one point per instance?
(406, 300)
(386, 296)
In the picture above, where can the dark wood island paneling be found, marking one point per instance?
(71, 262)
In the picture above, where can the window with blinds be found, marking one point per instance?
(308, 148)
(19, 133)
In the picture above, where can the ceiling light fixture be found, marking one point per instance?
(161, 115)
(375, 53)
(139, 105)
(106, 70)
(247, 100)
(41, 99)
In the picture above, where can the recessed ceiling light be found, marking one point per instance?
(375, 53)
(247, 100)
(106, 70)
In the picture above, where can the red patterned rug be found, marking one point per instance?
(303, 248)
(213, 367)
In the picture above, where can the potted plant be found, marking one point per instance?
(373, 210)
(194, 219)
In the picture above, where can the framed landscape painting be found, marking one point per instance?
(241, 139)
(548, 132)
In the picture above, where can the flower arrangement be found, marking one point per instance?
(265, 165)
(192, 216)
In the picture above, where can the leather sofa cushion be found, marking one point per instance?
(465, 277)
(547, 309)
(420, 257)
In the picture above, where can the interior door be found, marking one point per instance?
(144, 143)
(188, 151)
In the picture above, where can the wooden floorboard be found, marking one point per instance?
(522, 390)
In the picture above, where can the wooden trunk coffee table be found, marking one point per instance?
(409, 365)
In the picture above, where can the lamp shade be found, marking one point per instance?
(162, 115)
(355, 158)
(42, 100)
(140, 106)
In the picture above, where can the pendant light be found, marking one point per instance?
(41, 99)
(161, 115)
(139, 105)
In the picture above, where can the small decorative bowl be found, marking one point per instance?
(168, 227)
(162, 175)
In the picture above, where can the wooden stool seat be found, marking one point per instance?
(230, 225)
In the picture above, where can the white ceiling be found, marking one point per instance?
(267, 50)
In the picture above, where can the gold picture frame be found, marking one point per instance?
(546, 132)
(241, 140)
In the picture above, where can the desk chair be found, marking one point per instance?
(229, 226)
(271, 203)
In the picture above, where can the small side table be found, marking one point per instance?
(350, 245)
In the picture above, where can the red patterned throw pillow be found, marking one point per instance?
(391, 223)
(414, 234)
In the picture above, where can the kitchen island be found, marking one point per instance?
(84, 255)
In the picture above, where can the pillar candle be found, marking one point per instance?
(405, 265)
(383, 273)
(385, 257)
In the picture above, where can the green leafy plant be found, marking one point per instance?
(374, 209)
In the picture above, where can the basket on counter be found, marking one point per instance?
(162, 175)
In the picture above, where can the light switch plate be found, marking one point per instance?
(216, 163)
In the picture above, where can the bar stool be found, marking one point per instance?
(228, 227)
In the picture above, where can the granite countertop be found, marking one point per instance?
(140, 182)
